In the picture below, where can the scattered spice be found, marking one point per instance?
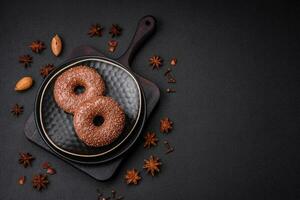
(17, 110)
(45, 165)
(169, 70)
(103, 198)
(40, 181)
(132, 177)
(168, 146)
(170, 90)
(26, 60)
(152, 165)
(155, 62)
(150, 140)
(99, 193)
(112, 45)
(113, 195)
(115, 30)
(95, 30)
(49, 169)
(166, 125)
(171, 80)
(173, 61)
(25, 159)
(21, 180)
(37, 46)
(46, 70)
(169, 76)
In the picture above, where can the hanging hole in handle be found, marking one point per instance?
(148, 23)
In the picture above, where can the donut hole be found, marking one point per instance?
(98, 120)
(79, 89)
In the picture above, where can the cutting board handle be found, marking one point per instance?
(145, 28)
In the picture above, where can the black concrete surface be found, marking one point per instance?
(236, 110)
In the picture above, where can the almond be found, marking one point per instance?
(56, 45)
(24, 83)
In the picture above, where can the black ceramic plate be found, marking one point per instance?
(56, 126)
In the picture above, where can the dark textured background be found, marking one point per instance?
(236, 111)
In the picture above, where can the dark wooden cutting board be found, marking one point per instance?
(103, 171)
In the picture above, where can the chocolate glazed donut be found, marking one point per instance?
(68, 87)
(99, 121)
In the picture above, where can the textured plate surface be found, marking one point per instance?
(58, 125)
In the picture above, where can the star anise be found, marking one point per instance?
(17, 110)
(37, 46)
(40, 181)
(45, 71)
(115, 30)
(152, 165)
(95, 30)
(132, 176)
(150, 139)
(25, 159)
(166, 125)
(25, 60)
(155, 62)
